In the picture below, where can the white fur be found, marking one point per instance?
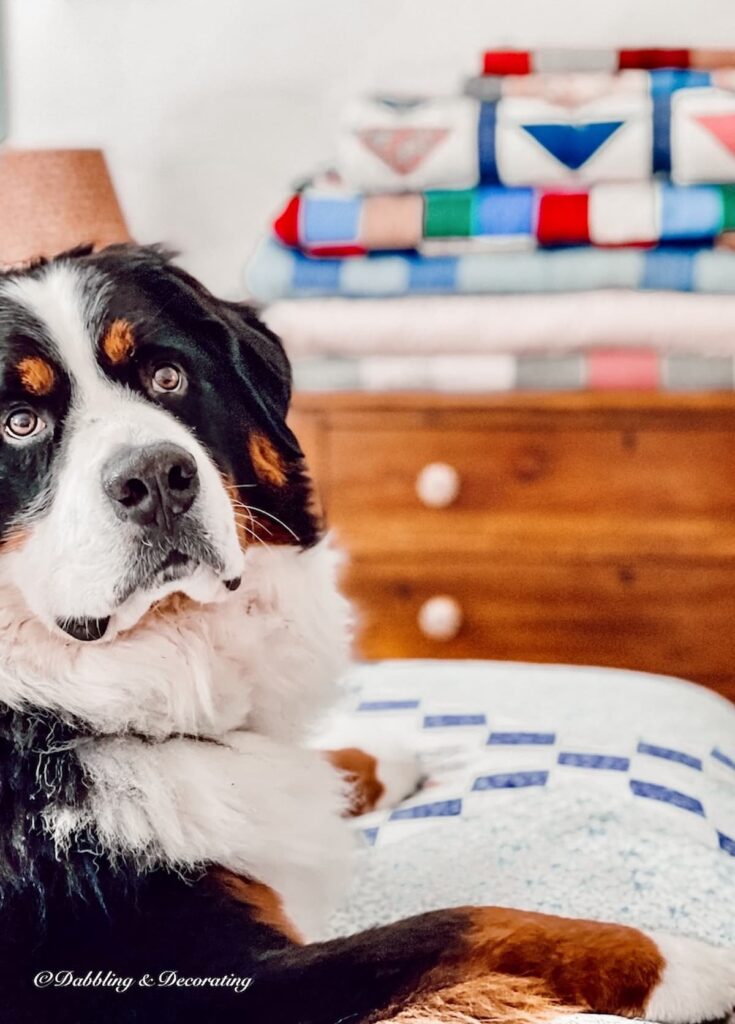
(266, 658)
(698, 982)
(250, 804)
(399, 771)
(78, 552)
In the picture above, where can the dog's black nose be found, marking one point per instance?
(151, 486)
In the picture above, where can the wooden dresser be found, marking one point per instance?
(580, 528)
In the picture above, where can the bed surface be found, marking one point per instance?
(589, 792)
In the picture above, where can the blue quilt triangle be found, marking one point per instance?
(573, 144)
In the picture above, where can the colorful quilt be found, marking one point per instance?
(622, 369)
(329, 222)
(622, 127)
(526, 62)
(277, 272)
(425, 325)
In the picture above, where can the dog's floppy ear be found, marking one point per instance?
(264, 370)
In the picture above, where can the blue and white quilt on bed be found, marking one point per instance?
(588, 792)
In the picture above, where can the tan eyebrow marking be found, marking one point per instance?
(266, 461)
(119, 342)
(36, 375)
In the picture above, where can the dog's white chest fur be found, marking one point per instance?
(242, 681)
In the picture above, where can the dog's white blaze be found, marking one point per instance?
(78, 551)
(698, 982)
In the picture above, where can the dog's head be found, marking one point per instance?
(143, 440)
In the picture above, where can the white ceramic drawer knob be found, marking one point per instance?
(437, 485)
(440, 618)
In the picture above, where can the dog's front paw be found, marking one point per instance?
(697, 982)
(377, 777)
(399, 772)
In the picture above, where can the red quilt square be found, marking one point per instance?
(563, 219)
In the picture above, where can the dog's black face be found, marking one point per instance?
(144, 439)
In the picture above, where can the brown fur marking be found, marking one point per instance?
(266, 461)
(264, 902)
(15, 539)
(521, 966)
(493, 999)
(36, 375)
(609, 968)
(119, 342)
(361, 771)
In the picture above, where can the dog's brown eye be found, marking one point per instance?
(168, 379)
(22, 424)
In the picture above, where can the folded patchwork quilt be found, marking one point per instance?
(525, 62)
(588, 792)
(589, 370)
(445, 325)
(324, 221)
(277, 272)
(597, 128)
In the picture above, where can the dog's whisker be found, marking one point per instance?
(275, 520)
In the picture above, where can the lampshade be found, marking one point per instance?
(55, 199)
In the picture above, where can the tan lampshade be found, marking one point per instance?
(54, 199)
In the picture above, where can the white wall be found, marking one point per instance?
(209, 108)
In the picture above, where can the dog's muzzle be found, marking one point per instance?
(151, 488)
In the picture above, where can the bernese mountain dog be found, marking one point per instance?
(170, 626)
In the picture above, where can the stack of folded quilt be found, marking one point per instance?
(550, 211)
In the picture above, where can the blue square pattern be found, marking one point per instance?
(331, 220)
(718, 755)
(370, 834)
(440, 721)
(315, 275)
(726, 843)
(538, 739)
(670, 755)
(694, 211)
(652, 791)
(668, 270)
(388, 705)
(503, 211)
(438, 809)
(437, 274)
(602, 762)
(510, 780)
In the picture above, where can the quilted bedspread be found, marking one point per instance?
(581, 791)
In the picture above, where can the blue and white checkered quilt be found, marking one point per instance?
(588, 792)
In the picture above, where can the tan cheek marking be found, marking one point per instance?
(119, 342)
(36, 375)
(265, 904)
(14, 539)
(361, 770)
(266, 461)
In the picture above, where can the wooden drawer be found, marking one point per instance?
(530, 475)
(579, 493)
(671, 618)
